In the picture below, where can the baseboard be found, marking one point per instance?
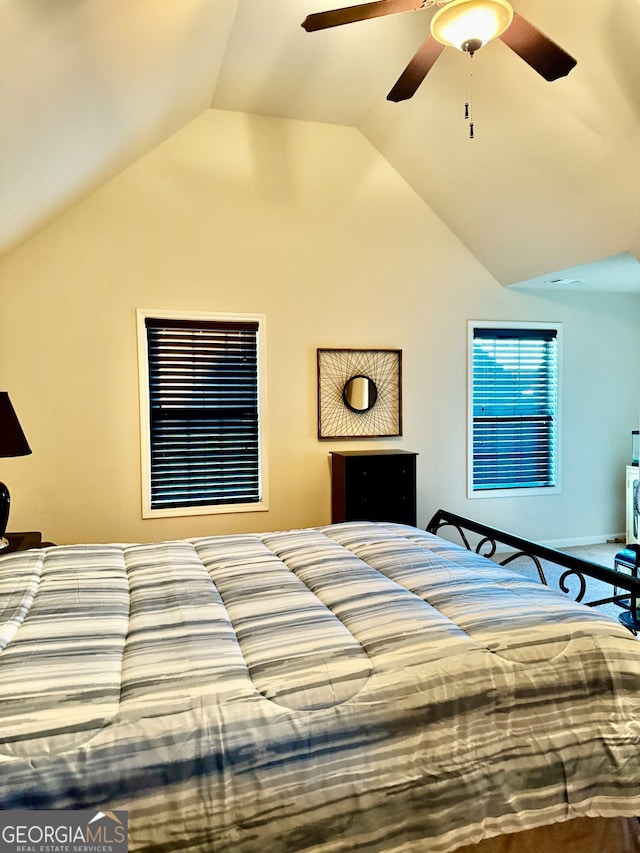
(611, 538)
(583, 541)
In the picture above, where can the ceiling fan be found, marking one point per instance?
(465, 24)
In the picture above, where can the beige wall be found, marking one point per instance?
(307, 224)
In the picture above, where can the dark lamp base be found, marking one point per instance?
(4, 512)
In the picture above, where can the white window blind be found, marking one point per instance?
(204, 425)
(515, 405)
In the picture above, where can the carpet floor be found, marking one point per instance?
(603, 554)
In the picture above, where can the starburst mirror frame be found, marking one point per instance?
(383, 417)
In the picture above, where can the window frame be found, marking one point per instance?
(516, 491)
(262, 505)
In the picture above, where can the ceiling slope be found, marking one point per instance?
(88, 86)
(550, 182)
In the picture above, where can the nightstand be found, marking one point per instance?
(24, 541)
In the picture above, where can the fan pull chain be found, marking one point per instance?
(468, 106)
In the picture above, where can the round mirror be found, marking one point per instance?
(360, 393)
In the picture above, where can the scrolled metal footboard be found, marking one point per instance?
(576, 569)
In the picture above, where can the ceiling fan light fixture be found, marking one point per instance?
(469, 24)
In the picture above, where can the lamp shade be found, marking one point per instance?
(12, 438)
(464, 22)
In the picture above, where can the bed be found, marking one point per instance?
(352, 687)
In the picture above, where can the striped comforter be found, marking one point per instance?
(359, 686)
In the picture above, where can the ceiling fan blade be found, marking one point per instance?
(415, 72)
(542, 54)
(351, 14)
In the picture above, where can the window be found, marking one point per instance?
(514, 410)
(201, 413)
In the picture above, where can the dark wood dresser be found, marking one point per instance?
(373, 485)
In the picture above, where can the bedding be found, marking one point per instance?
(356, 686)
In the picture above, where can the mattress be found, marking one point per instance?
(357, 686)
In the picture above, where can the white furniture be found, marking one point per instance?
(633, 504)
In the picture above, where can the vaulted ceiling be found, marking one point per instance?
(547, 194)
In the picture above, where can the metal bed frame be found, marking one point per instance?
(575, 568)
